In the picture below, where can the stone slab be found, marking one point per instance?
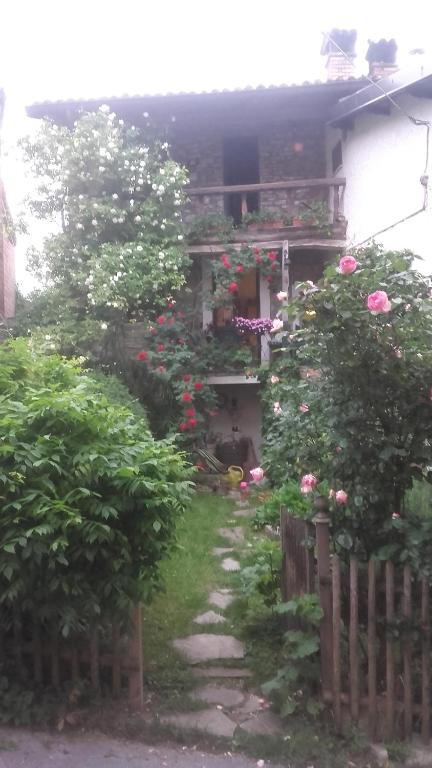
(210, 617)
(207, 647)
(210, 721)
(218, 551)
(230, 565)
(264, 723)
(252, 704)
(246, 512)
(217, 694)
(233, 673)
(234, 535)
(221, 598)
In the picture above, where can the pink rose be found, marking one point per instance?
(243, 485)
(257, 474)
(341, 497)
(308, 481)
(395, 515)
(378, 302)
(303, 408)
(277, 409)
(305, 489)
(282, 296)
(274, 379)
(277, 325)
(338, 449)
(347, 265)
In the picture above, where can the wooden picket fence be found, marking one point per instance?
(107, 657)
(375, 635)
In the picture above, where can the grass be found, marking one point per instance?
(188, 576)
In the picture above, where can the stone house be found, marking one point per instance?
(280, 161)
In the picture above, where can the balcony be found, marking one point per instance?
(307, 211)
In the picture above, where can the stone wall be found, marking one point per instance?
(287, 150)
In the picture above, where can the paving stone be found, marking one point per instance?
(252, 704)
(221, 598)
(210, 721)
(218, 551)
(228, 564)
(380, 755)
(245, 512)
(234, 673)
(263, 723)
(234, 535)
(215, 694)
(210, 617)
(207, 647)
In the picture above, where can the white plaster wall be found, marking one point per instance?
(383, 159)
(247, 415)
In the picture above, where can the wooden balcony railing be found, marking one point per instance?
(329, 190)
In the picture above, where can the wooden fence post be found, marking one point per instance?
(372, 653)
(322, 522)
(353, 641)
(336, 594)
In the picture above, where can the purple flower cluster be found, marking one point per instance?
(256, 325)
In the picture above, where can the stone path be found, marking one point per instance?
(227, 703)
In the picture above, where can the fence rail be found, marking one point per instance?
(106, 655)
(375, 635)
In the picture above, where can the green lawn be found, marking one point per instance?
(188, 575)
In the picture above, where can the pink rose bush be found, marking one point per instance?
(347, 265)
(307, 484)
(282, 296)
(274, 379)
(378, 302)
(277, 408)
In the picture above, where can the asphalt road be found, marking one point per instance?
(20, 748)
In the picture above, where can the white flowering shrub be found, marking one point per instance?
(117, 196)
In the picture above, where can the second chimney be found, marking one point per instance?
(339, 47)
(382, 58)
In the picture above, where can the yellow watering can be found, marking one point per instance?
(234, 475)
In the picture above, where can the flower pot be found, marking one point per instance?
(273, 224)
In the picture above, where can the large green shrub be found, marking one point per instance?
(89, 499)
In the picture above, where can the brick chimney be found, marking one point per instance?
(382, 58)
(339, 47)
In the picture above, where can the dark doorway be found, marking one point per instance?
(241, 166)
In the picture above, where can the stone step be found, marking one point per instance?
(230, 565)
(210, 617)
(234, 535)
(207, 647)
(219, 551)
(221, 598)
(222, 673)
(218, 694)
(209, 721)
(245, 512)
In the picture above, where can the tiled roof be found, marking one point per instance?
(171, 94)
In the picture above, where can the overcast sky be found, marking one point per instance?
(55, 49)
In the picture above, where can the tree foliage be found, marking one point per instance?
(89, 499)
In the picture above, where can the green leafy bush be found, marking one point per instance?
(289, 496)
(89, 498)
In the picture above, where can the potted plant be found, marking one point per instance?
(213, 225)
(314, 214)
(263, 220)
